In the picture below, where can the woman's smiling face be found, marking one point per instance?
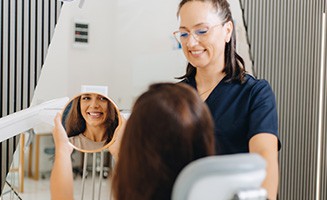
(94, 109)
(208, 49)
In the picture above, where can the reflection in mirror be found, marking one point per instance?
(90, 120)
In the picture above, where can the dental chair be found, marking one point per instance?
(228, 177)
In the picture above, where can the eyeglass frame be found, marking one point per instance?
(195, 35)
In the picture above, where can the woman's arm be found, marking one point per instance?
(266, 145)
(61, 181)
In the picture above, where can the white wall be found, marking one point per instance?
(130, 46)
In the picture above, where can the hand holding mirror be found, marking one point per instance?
(90, 120)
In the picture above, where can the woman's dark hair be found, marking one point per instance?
(75, 124)
(170, 126)
(234, 64)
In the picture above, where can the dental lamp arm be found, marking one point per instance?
(21, 121)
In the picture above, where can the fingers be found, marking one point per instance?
(123, 125)
(58, 123)
(58, 129)
(57, 119)
(60, 136)
(114, 147)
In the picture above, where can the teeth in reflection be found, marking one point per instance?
(93, 114)
(196, 52)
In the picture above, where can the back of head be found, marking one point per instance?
(169, 127)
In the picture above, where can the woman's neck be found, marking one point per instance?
(207, 80)
(97, 134)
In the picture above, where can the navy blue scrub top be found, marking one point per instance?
(241, 111)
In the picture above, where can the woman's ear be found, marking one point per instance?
(228, 26)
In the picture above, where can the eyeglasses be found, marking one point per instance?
(198, 34)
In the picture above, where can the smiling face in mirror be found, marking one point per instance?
(90, 120)
(95, 111)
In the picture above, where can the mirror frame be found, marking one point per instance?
(106, 146)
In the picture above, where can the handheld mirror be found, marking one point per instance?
(90, 120)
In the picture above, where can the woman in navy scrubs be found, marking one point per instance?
(243, 107)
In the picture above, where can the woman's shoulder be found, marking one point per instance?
(188, 81)
(75, 140)
(250, 79)
(258, 87)
(255, 83)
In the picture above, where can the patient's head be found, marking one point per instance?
(169, 127)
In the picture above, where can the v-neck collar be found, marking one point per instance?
(192, 82)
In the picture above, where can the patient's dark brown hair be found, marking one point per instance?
(170, 126)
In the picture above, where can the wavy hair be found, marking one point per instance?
(169, 127)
